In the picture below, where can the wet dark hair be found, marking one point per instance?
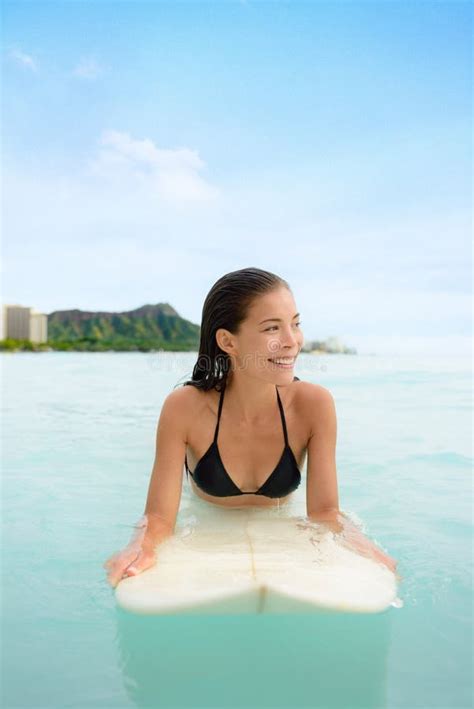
(226, 306)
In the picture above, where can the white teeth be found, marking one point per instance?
(283, 361)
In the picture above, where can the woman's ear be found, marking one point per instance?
(225, 340)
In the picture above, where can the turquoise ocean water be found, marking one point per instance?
(78, 447)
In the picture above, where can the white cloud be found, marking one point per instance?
(88, 68)
(113, 236)
(139, 165)
(24, 59)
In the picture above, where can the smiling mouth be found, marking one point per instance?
(286, 362)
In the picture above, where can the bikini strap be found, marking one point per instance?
(280, 405)
(221, 399)
(282, 417)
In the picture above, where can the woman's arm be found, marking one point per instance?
(164, 491)
(165, 487)
(322, 499)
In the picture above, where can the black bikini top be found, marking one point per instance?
(211, 476)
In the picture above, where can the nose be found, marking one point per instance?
(290, 338)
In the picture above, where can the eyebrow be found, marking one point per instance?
(278, 319)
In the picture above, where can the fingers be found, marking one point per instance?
(130, 552)
(129, 565)
(115, 558)
(123, 557)
(119, 564)
(116, 575)
(131, 571)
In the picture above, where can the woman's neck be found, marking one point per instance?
(250, 399)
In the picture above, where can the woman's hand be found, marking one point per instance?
(373, 552)
(129, 562)
(378, 555)
(354, 540)
(140, 553)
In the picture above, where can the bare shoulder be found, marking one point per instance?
(316, 406)
(308, 394)
(183, 399)
(185, 403)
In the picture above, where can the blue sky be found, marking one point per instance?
(150, 147)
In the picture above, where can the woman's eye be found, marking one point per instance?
(272, 327)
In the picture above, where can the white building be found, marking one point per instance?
(334, 344)
(22, 323)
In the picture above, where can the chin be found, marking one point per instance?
(283, 374)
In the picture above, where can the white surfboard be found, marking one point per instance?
(256, 560)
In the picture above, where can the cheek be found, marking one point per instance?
(270, 345)
(259, 349)
(253, 352)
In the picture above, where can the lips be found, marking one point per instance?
(283, 362)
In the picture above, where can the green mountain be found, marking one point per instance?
(149, 327)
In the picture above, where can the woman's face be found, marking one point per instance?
(270, 332)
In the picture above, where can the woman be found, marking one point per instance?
(250, 338)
